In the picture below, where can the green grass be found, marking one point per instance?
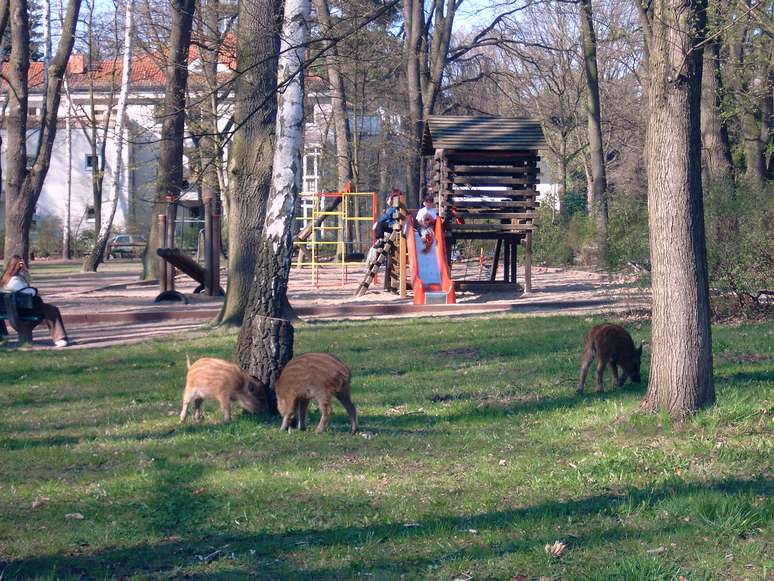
(476, 454)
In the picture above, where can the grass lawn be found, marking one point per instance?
(475, 454)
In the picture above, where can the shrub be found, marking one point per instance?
(740, 248)
(627, 231)
(48, 237)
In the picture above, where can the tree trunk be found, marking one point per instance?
(266, 339)
(97, 255)
(170, 176)
(598, 177)
(338, 96)
(67, 242)
(714, 134)
(414, 19)
(255, 115)
(23, 184)
(681, 364)
(18, 210)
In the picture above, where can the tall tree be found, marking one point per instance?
(255, 117)
(24, 181)
(426, 54)
(598, 182)
(94, 259)
(681, 364)
(170, 176)
(714, 133)
(265, 342)
(338, 96)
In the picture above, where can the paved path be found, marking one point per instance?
(114, 307)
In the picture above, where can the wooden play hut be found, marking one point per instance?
(485, 172)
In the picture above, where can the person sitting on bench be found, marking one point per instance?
(16, 278)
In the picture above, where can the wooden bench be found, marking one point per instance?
(17, 309)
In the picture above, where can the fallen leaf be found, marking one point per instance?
(411, 524)
(657, 550)
(74, 516)
(40, 501)
(199, 491)
(173, 539)
(503, 462)
(556, 549)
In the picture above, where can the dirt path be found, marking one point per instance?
(114, 308)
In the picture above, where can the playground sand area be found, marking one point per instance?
(115, 307)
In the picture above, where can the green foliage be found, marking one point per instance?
(627, 231)
(477, 453)
(85, 242)
(46, 239)
(740, 247)
(562, 239)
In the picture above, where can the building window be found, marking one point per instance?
(90, 161)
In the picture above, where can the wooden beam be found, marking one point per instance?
(496, 259)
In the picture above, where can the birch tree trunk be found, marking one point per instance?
(170, 176)
(255, 116)
(97, 255)
(681, 364)
(66, 227)
(23, 184)
(265, 342)
(598, 184)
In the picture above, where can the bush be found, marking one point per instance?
(740, 248)
(47, 240)
(84, 243)
(562, 239)
(627, 231)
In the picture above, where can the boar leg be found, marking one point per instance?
(588, 357)
(286, 422)
(199, 413)
(617, 381)
(346, 401)
(184, 412)
(325, 409)
(225, 405)
(303, 408)
(600, 376)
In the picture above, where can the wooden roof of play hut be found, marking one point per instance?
(485, 171)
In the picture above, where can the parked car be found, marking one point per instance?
(126, 246)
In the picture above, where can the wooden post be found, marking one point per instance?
(163, 265)
(506, 260)
(207, 199)
(514, 264)
(216, 249)
(496, 259)
(170, 239)
(528, 263)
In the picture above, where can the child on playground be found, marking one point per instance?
(384, 225)
(425, 220)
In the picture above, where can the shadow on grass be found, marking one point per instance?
(176, 509)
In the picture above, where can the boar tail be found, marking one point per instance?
(187, 361)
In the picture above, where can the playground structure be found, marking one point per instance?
(333, 240)
(171, 257)
(485, 172)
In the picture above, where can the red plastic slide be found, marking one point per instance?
(430, 278)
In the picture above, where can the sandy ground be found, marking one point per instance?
(113, 307)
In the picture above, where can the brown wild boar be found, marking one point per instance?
(314, 375)
(210, 378)
(610, 344)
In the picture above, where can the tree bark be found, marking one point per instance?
(598, 185)
(714, 133)
(97, 255)
(338, 96)
(23, 184)
(681, 364)
(170, 176)
(255, 115)
(266, 339)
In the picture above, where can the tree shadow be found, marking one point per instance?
(175, 509)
